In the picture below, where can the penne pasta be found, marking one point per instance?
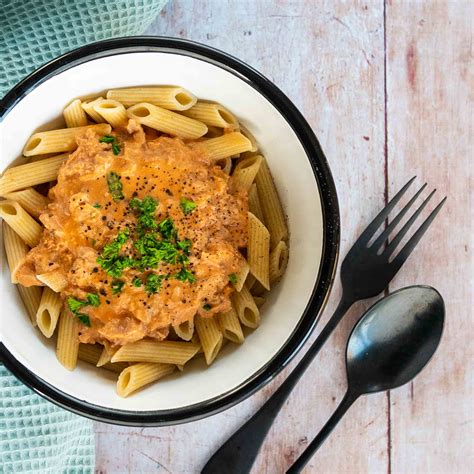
(105, 355)
(166, 352)
(225, 164)
(259, 301)
(167, 97)
(258, 251)
(245, 172)
(111, 203)
(210, 336)
(67, 345)
(214, 132)
(48, 312)
(185, 330)
(138, 375)
(212, 114)
(57, 141)
(88, 107)
(15, 250)
(258, 289)
(228, 144)
(166, 121)
(246, 309)
(31, 174)
(55, 280)
(241, 275)
(245, 132)
(112, 111)
(21, 222)
(31, 200)
(254, 203)
(74, 115)
(250, 281)
(271, 206)
(230, 326)
(91, 353)
(31, 297)
(278, 261)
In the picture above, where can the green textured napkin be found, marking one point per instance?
(35, 435)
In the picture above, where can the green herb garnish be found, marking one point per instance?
(137, 282)
(111, 260)
(75, 305)
(115, 186)
(187, 206)
(115, 149)
(207, 307)
(117, 286)
(185, 245)
(145, 209)
(185, 275)
(233, 278)
(107, 139)
(96, 205)
(93, 299)
(167, 229)
(153, 283)
(112, 140)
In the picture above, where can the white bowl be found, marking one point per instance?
(305, 186)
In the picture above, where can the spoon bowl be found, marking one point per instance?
(395, 339)
(391, 344)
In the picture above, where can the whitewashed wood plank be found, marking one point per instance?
(328, 58)
(430, 133)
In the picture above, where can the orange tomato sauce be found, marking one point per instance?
(83, 218)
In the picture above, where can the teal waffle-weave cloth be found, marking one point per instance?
(35, 435)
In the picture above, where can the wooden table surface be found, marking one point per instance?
(388, 89)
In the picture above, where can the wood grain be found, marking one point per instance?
(429, 86)
(386, 89)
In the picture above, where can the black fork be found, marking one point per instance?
(365, 272)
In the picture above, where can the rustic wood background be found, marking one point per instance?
(388, 89)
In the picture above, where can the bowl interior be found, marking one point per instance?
(297, 187)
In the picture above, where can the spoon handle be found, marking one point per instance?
(346, 402)
(238, 453)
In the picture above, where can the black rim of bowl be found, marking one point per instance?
(331, 226)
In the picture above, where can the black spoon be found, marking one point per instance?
(388, 347)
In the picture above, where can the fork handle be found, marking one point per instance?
(238, 453)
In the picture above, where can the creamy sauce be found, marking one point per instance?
(83, 217)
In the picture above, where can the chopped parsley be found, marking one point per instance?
(115, 149)
(117, 286)
(75, 305)
(96, 205)
(233, 278)
(145, 210)
(93, 299)
(207, 307)
(167, 229)
(113, 141)
(185, 275)
(187, 206)
(185, 245)
(111, 260)
(107, 139)
(115, 186)
(153, 283)
(152, 243)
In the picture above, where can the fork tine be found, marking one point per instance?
(399, 260)
(384, 235)
(398, 238)
(382, 215)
